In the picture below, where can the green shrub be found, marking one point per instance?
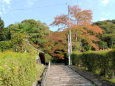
(18, 69)
(48, 57)
(4, 45)
(100, 62)
(30, 49)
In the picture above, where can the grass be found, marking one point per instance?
(112, 80)
(40, 71)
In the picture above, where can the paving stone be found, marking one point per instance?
(60, 75)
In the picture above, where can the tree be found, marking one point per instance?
(57, 45)
(108, 36)
(81, 25)
(1, 24)
(2, 35)
(37, 31)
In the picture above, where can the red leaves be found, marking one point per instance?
(80, 21)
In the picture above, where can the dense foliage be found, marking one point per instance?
(1, 30)
(108, 37)
(18, 69)
(17, 56)
(35, 31)
(57, 45)
(100, 62)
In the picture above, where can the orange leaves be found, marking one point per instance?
(63, 19)
(80, 17)
(95, 29)
(58, 42)
(77, 16)
(80, 23)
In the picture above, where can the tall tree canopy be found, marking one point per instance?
(2, 36)
(35, 31)
(1, 23)
(108, 38)
(80, 23)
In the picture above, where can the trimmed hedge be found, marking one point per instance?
(18, 69)
(99, 62)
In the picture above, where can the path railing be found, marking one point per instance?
(33, 46)
(45, 74)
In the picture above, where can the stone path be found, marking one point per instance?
(60, 75)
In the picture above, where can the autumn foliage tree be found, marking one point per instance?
(57, 45)
(80, 22)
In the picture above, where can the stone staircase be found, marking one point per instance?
(60, 75)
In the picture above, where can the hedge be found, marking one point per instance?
(18, 69)
(99, 62)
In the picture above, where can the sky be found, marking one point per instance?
(14, 11)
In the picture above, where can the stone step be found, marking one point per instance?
(60, 75)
